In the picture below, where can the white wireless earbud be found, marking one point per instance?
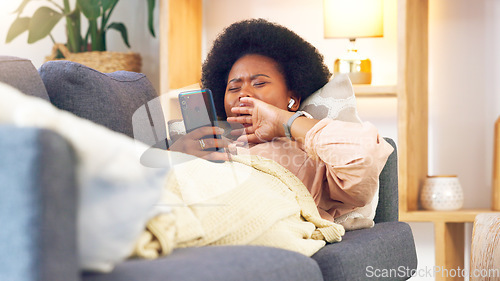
(291, 103)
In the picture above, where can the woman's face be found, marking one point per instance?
(256, 76)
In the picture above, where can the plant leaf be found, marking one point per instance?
(123, 30)
(90, 8)
(73, 30)
(151, 8)
(107, 4)
(41, 24)
(19, 26)
(20, 9)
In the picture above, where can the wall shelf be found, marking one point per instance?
(375, 91)
(458, 216)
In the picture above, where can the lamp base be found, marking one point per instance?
(358, 70)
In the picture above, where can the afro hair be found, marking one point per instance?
(300, 62)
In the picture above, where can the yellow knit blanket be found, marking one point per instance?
(251, 201)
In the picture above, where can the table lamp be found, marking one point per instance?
(353, 19)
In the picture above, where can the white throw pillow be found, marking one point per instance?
(117, 195)
(336, 100)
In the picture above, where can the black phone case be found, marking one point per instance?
(198, 110)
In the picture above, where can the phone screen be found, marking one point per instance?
(198, 109)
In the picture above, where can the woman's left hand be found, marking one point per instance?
(262, 121)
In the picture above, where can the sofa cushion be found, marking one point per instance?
(217, 263)
(21, 74)
(109, 99)
(387, 248)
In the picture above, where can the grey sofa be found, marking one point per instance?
(38, 205)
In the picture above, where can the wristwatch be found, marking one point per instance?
(288, 124)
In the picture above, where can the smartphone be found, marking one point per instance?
(198, 110)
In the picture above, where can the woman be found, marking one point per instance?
(259, 72)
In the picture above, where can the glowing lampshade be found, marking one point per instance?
(353, 19)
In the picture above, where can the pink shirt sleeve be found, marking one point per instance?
(354, 155)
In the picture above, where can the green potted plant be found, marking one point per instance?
(97, 13)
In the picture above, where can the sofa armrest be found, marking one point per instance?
(387, 208)
(38, 198)
(386, 250)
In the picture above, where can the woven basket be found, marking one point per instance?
(101, 61)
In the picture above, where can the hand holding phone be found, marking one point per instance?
(201, 143)
(200, 120)
(198, 109)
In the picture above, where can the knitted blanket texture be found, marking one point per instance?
(251, 201)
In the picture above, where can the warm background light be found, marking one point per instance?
(353, 18)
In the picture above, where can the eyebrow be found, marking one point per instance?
(251, 78)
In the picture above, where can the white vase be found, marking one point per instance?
(442, 193)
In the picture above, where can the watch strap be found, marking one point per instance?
(288, 124)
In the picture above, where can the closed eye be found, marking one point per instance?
(259, 84)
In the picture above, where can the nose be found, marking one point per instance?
(246, 91)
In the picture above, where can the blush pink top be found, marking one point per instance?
(339, 163)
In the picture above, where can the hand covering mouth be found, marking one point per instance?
(245, 124)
